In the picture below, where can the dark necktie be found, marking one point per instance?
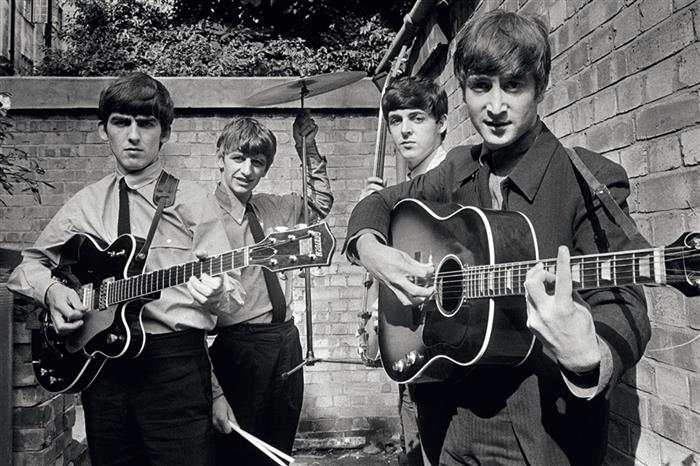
(274, 290)
(123, 223)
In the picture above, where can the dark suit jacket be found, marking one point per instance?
(552, 425)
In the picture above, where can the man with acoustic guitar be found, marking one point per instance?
(156, 408)
(552, 407)
(415, 109)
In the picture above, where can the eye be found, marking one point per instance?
(258, 163)
(479, 85)
(418, 118)
(512, 85)
(393, 121)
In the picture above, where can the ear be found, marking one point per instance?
(442, 123)
(220, 162)
(164, 136)
(102, 131)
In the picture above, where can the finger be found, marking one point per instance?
(76, 304)
(62, 325)
(214, 283)
(375, 180)
(194, 291)
(563, 287)
(201, 254)
(535, 283)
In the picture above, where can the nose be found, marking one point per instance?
(495, 105)
(247, 167)
(406, 128)
(134, 134)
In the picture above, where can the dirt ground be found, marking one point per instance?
(359, 457)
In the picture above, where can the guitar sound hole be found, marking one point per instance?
(450, 285)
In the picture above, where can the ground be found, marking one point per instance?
(360, 457)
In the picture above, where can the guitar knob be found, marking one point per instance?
(273, 262)
(53, 380)
(293, 259)
(399, 366)
(411, 358)
(114, 338)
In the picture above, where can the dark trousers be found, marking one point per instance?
(408, 414)
(249, 360)
(155, 409)
(468, 423)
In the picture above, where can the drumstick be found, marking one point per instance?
(266, 448)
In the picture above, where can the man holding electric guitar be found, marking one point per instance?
(528, 361)
(155, 408)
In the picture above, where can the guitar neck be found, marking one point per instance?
(148, 283)
(640, 267)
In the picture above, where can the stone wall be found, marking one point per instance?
(344, 404)
(624, 82)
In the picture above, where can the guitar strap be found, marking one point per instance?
(603, 193)
(164, 196)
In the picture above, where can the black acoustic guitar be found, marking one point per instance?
(478, 315)
(114, 296)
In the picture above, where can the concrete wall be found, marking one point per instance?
(55, 122)
(624, 82)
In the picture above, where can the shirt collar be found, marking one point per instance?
(141, 178)
(230, 203)
(529, 172)
(428, 163)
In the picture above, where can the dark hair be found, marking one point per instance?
(137, 94)
(415, 92)
(248, 136)
(504, 43)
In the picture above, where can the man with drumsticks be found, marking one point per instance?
(415, 109)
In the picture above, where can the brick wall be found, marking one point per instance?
(624, 82)
(343, 404)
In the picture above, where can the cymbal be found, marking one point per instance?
(307, 86)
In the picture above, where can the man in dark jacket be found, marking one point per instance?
(552, 408)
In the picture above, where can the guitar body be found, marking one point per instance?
(69, 363)
(436, 341)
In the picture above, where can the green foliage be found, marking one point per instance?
(16, 167)
(113, 37)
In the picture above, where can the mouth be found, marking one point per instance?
(497, 125)
(132, 150)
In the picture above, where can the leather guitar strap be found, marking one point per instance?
(603, 194)
(164, 196)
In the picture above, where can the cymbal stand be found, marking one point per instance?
(310, 358)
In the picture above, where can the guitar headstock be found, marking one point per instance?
(682, 259)
(298, 248)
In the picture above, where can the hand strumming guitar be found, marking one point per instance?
(395, 269)
(65, 307)
(559, 318)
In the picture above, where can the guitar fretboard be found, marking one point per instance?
(640, 267)
(148, 283)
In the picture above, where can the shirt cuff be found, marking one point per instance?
(351, 245)
(580, 387)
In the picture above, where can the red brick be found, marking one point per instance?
(596, 13)
(664, 154)
(675, 423)
(601, 43)
(653, 12)
(578, 56)
(664, 40)
(667, 116)
(668, 191)
(609, 135)
(604, 105)
(660, 79)
(626, 25)
(672, 385)
(689, 65)
(673, 346)
(630, 93)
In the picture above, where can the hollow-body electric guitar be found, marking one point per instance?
(478, 315)
(114, 296)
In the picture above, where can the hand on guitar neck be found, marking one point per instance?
(65, 308)
(395, 269)
(559, 318)
(212, 293)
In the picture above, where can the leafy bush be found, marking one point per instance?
(112, 37)
(16, 168)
